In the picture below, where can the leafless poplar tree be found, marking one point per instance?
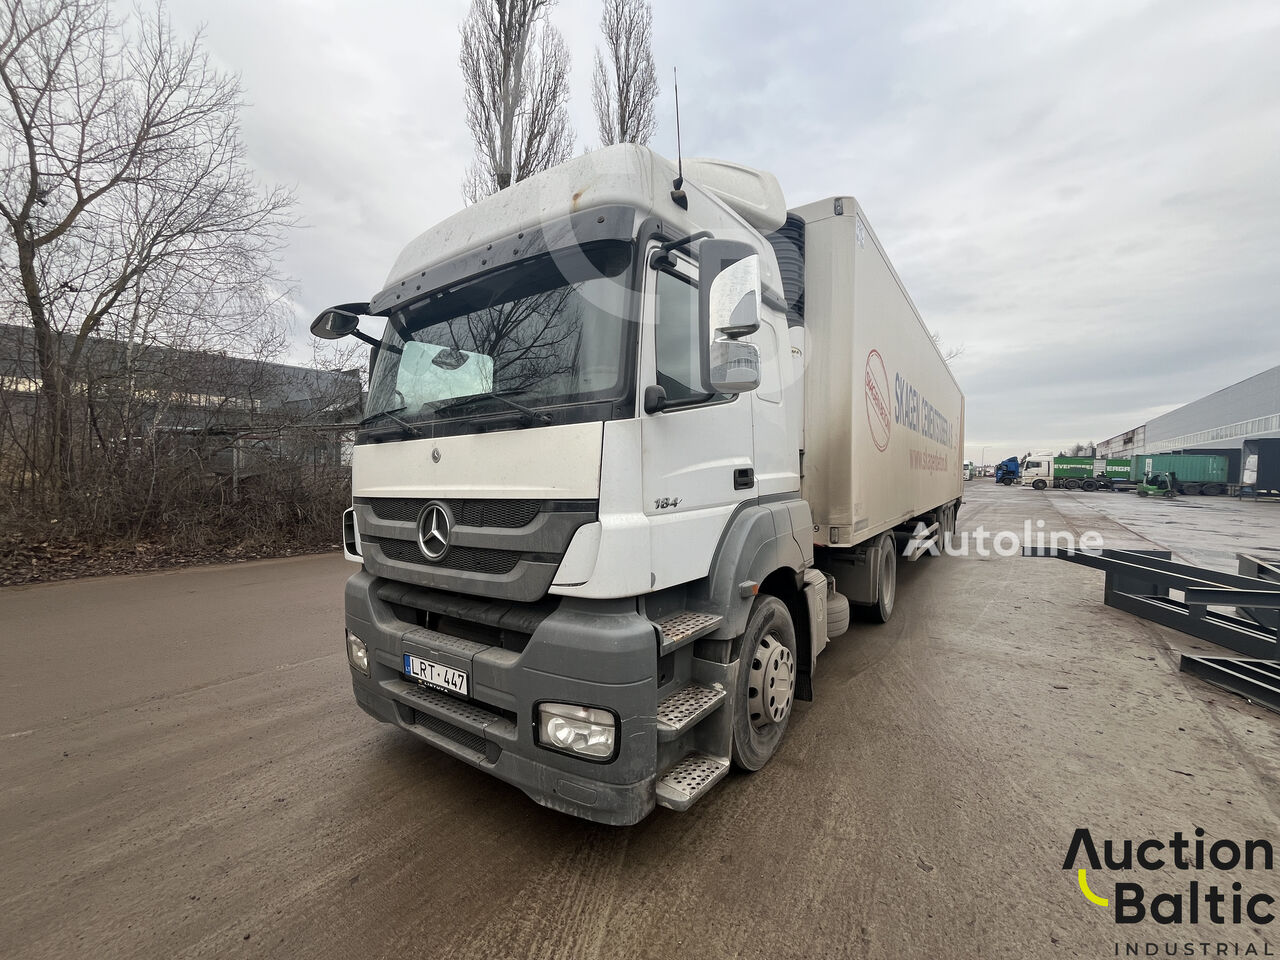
(625, 82)
(127, 207)
(949, 352)
(516, 69)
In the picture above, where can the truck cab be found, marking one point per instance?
(587, 545)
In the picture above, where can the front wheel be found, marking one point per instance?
(766, 683)
(1007, 481)
(1039, 484)
(1143, 493)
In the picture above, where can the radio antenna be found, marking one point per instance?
(678, 195)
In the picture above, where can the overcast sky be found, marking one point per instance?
(1084, 194)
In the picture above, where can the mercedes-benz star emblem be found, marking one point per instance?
(434, 527)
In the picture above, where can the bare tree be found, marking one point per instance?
(515, 66)
(127, 205)
(625, 82)
(949, 353)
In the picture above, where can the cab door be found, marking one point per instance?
(697, 456)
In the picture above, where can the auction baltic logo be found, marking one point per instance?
(1192, 901)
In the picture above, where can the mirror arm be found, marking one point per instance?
(365, 338)
(662, 256)
(771, 299)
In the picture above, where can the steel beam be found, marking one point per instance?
(1256, 680)
(1139, 582)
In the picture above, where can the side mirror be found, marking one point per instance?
(735, 366)
(729, 309)
(338, 322)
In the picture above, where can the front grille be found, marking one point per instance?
(467, 559)
(463, 738)
(508, 514)
(507, 549)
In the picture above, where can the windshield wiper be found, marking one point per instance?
(462, 403)
(391, 415)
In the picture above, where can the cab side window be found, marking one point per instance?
(679, 354)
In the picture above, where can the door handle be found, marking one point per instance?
(744, 478)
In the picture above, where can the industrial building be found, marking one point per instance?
(1240, 422)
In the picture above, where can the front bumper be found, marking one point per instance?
(593, 653)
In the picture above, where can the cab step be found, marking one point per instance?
(684, 708)
(689, 779)
(685, 627)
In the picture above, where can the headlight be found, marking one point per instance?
(583, 731)
(357, 653)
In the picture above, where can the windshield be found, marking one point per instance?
(546, 332)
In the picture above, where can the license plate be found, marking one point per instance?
(435, 674)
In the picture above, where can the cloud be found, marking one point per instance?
(1082, 193)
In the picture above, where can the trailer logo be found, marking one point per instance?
(434, 528)
(877, 387)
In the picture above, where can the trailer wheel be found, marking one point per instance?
(1089, 486)
(1191, 489)
(1039, 484)
(886, 582)
(766, 683)
(946, 519)
(1212, 489)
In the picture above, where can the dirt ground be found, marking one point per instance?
(186, 774)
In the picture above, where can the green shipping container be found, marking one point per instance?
(1078, 467)
(1189, 467)
(1082, 468)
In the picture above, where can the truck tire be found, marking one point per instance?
(1212, 490)
(887, 583)
(1072, 483)
(765, 689)
(1007, 481)
(1088, 486)
(946, 519)
(1191, 489)
(1039, 484)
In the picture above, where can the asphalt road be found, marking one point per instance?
(185, 774)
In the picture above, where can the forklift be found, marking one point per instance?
(1159, 485)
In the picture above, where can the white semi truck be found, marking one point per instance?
(633, 442)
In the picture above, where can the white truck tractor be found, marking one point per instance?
(633, 443)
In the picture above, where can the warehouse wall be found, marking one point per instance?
(1250, 408)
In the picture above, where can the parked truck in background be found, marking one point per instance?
(968, 470)
(1008, 471)
(1073, 473)
(633, 442)
(1189, 473)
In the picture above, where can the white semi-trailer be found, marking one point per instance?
(633, 443)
